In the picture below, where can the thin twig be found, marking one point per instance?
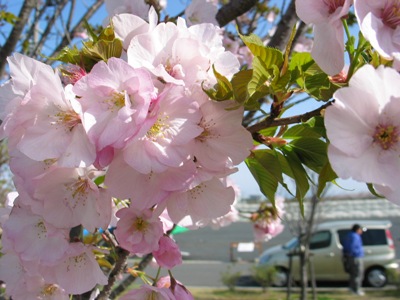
(271, 122)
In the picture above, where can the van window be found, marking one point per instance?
(371, 237)
(321, 239)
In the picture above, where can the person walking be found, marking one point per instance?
(353, 254)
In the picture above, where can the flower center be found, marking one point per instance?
(140, 224)
(49, 290)
(391, 14)
(333, 5)
(41, 230)
(68, 118)
(78, 190)
(157, 129)
(386, 136)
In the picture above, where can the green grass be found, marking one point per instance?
(245, 294)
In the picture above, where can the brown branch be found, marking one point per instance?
(232, 10)
(116, 271)
(50, 24)
(284, 28)
(16, 32)
(271, 122)
(130, 279)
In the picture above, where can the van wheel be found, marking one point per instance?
(376, 277)
(281, 277)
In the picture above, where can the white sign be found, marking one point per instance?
(245, 247)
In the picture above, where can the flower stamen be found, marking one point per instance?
(386, 136)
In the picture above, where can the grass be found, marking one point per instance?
(253, 294)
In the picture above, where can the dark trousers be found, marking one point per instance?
(356, 272)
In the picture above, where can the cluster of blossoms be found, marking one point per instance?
(133, 144)
(378, 21)
(362, 125)
(267, 221)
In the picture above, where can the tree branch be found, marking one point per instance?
(16, 32)
(232, 10)
(118, 269)
(128, 280)
(284, 28)
(271, 122)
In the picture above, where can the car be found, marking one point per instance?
(326, 253)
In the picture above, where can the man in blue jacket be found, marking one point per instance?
(353, 253)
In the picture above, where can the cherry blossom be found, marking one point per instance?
(214, 148)
(168, 255)
(70, 198)
(191, 208)
(182, 55)
(148, 292)
(363, 128)
(326, 15)
(78, 271)
(379, 23)
(177, 288)
(32, 238)
(170, 126)
(43, 113)
(201, 11)
(138, 231)
(115, 100)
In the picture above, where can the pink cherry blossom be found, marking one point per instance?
(77, 272)
(181, 55)
(168, 254)
(115, 100)
(138, 231)
(12, 272)
(192, 208)
(178, 289)
(32, 238)
(379, 23)
(201, 11)
(148, 292)
(364, 129)
(44, 113)
(267, 221)
(326, 15)
(171, 125)
(71, 198)
(224, 140)
(35, 287)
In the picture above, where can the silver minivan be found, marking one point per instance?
(326, 249)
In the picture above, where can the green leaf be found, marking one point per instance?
(101, 48)
(259, 82)
(269, 56)
(298, 174)
(239, 85)
(266, 170)
(315, 83)
(326, 175)
(312, 128)
(312, 152)
(8, 17)
(222, 90)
